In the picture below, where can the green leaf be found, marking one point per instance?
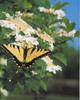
(27, 5)
(43, 44)
(43, 3)
(69, 25)
(60, 57)
(24, 4)
(77, 34)
(60, 5)
(43, 85)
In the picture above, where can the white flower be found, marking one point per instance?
(63, 24)
(51, 46)
(50, 66)
(54, 68)
(24, 14)
(29, 14)
(27, 38)
(32, 40)
(71, 33)
(23, 26)
(42, 9)
(15, 32)
(4, 91)
(7, 24)
(60, 13)
(3, 61)
(29, 30)
(34, 73)
(18, 14)
(51, 10)
(61, 32)
(8, 16)
(17, 24)
(67, 34)
(10, 80)
(46, 10)
(58, 24)
(44, 36)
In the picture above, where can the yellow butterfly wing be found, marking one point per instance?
(15, 51)
(33, 54)
(23, 56)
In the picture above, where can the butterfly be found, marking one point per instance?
(24, 57)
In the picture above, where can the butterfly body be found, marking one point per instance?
(24, 57)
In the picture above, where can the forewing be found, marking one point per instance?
(15, 51)
(33, 54)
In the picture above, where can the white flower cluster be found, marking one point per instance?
(4, 91)
(51, 47)
(3, 61)
(24, 14)
(7, 24)
(67, 34)
(18, 25)
(45, 10)
(27, 39)
(54, 68)
(50, 66)
(59, 13)
(62, 32)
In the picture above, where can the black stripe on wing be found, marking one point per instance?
(18, 63)
(31, 62)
